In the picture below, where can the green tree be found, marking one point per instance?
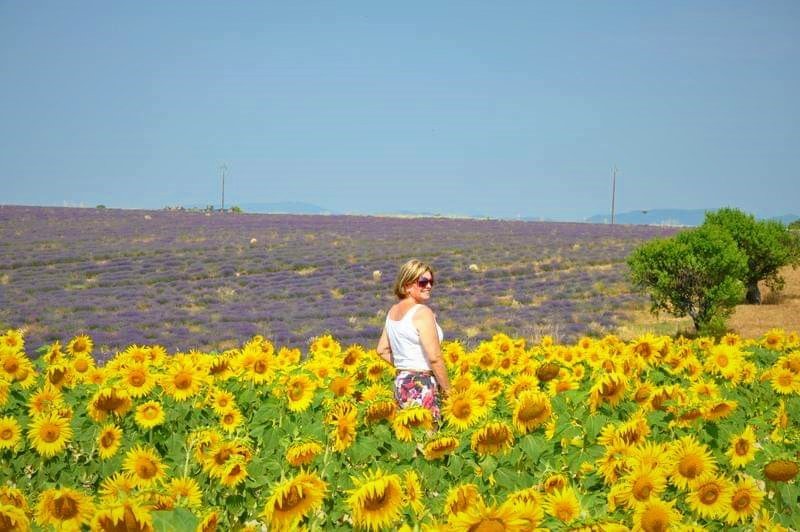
(696, 273)
(767, 244)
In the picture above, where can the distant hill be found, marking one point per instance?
(284, 207)
(674, 217)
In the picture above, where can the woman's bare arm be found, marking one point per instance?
(425, 323)
(384, 348)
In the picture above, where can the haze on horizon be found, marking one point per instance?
(452, 108)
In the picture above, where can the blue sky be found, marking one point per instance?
(494, 108)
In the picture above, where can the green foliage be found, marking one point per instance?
(236, 209)
(767, 244)
(696, 273)
(101, 206)
(795, 225)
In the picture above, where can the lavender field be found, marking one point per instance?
(189, 280)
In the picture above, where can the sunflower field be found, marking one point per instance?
(653, 434)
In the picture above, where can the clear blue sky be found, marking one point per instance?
(498, 108)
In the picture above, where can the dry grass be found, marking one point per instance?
(778, 310)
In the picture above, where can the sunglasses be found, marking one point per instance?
(423, 282)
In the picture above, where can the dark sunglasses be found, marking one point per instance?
(423, 282)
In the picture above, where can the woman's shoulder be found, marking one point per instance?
(423, 312)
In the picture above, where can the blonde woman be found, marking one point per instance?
(411, 340)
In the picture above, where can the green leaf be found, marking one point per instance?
(172, 520)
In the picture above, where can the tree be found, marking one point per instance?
(767, 244)
(696, 273)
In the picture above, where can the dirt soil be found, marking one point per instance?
(780, 310)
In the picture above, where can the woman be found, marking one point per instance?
(411, 340)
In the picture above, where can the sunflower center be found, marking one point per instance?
(222, 402)
(565, 512)
(654, 520)
(376, 501)
(150, 412)
(183, 380)
(137, 379)
(742, 447)
(290, 500)
(690, 466)
(79, 346)
(785, 379)
(81, 366)
(722, 361)
(709, 494)
(222, 456)
(50, 433)
(6, 434)
(107, 440)
(609, 389)
(107, 404)
(57, 376)
(228, 419)
(531, 411)
(11, 365)
(260, 367)
(641, 489)
(65, 507)
(488, 525)
(146, 469)
(462, 409)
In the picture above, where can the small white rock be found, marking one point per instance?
(473, 267)
(253, 241)
(148, 217)
(376, 275)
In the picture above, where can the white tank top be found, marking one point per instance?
(407, 350)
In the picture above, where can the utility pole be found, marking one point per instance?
(613, 191)
(223, 169)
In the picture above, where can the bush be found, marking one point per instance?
(696, 273)
(767, 244)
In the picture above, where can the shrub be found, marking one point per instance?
(767, 244)
(696, 273)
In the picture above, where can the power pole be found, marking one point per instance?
(613, 191)
(223, 169)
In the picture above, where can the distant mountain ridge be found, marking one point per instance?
(673, 217)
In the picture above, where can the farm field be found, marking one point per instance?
(186, 280)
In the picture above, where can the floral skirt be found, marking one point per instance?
(415, 388)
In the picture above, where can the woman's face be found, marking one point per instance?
(420, 289)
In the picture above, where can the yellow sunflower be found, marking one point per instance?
(608, 388)
(185, 491)
(439, 447)
(150, 414)
(492, 438)
(533, 409)
(120, 486)
(745, 501)
(299, 392)
(743, 448)
(507, 517)
(64, 508)
(523, 383)
(461, 410)
(375, 500)
(460, 498)
(408, 419)
(231, 419)
(781, 470)
(381, 409)
(183, 381)
(13, 519)
(709, 496)
(529, 502)
(773, 339)
(10, 433)
(81, 344)
(145, 464)
(413, 492)
(13, 340)
(719, 410)
(344, 421)
(109, 400)
(785, 381)
(15, 366)
(342, 386)
(563, 504)
(210, 522)
(108, 441)
(234, 472)
(81, 365)
(49, 434)
(138, 379)
(124, 514)
(222, 400)
(691, 460)
(351, 357)
(656, 515)
(293, 499)
(640, 485)
(303, 453)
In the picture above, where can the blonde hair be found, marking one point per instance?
(409, 273)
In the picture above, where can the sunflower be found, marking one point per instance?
(231, 419)
(781, 470)
(533, 409)
(64, 508)
(460, 498)
(81, 365)
(773, 339)
(640, 485)
(13, 519)
(523, 383)
(375, 500)
(303, 453)
(381, 409)
(108, 441)
(719, 410)
(120, 486)
(60, 375)
(210, 522)
(462, 382)
(108, 400)
(185, 491)
(15, 366)
(563, 504)
(743, 448)
(49, 434)
(709, 496)
(145, 464)
(293, 499)
(234, 472)
(342, 386)
(413, 417)
(351, 357)
(508, 517)
(126, 514)
(260, 367)
(216, 460)
(81, 344)
(137, 379)
(493, 438)
(691, 460)
(530, 505)
(461, 410)
(554, 482)
(183, 381)
(413, 492)
(785, 381)
(344, 420)
(656, 515)
(745, 501)
(10, 433)
(150, 414)
(609, 388)
(299, 390)
(439, 447)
